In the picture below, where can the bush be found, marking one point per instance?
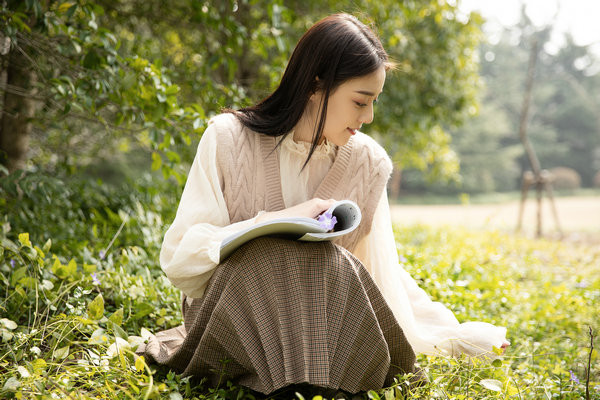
(565, 178)
(597, 179)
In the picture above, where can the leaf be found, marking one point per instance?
(117, 317)
(8, 324)
(12, 384)
(145, 333)
(117, 347)
(139, 364)
(39, 366)
(95, 309)
(61, 353)
(119, 332)
(24, 239)
(491, 384)
(373, 395)
(512, 391)
(143, 309)
(156, 161)
(98, 337)
(23, 371)
(47, 246)
(64, 7)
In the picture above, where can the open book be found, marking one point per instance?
(346, 212)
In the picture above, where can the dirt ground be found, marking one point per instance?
(579, 217)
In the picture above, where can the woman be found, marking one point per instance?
(342, 316)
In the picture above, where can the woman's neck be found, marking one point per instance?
(305, 128)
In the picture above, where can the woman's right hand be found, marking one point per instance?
(310, 209)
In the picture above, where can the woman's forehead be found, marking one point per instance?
(368, 85)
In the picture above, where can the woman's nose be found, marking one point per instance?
(367, 115)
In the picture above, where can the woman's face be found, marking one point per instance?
(351, 105)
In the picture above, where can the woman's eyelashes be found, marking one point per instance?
(360, 104)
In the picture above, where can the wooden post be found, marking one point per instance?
(541, 178)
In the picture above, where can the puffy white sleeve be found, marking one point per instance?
(190, 249)
(429, 326)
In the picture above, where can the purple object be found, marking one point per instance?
(327, 221)
(102, 253)
(95, 279)
(12, 263)
(574, 378)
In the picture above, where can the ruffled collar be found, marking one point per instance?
(323, 150)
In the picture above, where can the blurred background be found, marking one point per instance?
(116, 94)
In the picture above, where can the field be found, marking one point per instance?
(579, 217)
(74, 304)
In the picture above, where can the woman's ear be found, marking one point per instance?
(316, 88)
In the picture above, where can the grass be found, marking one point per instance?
(69, 324)
(484, 198)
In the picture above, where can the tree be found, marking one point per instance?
(150, 73)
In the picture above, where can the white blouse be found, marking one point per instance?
(190, 250)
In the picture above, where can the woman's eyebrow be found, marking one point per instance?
(365, 92)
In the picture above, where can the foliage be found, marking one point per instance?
(72, 315)
(80, 213)
(563, 127)
(121, 75)
(94, 100)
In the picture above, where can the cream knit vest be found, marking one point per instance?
(248, 165)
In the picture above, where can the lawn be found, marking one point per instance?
(69, 321)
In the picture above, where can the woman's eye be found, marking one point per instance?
(360, 104)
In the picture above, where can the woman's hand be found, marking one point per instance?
(504, 346)
(311, 209)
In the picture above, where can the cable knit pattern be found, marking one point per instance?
(250, 177)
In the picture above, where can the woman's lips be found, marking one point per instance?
(352, 131)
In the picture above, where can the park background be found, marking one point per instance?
(103, 104)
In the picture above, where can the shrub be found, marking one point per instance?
(597, 179)
(565, 178)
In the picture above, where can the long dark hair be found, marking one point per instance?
(335, 49)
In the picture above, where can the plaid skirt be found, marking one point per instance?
(280, 312)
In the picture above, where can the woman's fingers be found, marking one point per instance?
(311, 209)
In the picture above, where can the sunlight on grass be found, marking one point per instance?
(69, 325)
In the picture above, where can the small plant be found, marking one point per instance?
(72, 313)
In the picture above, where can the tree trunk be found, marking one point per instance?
(17, 112)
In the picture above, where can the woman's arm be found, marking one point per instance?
(190, 249)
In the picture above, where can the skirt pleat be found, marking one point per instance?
(280, 312)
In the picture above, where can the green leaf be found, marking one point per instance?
(139, 363)
(39, 366)
(8, 324)
(24, 239)
(373, 395)
(64, 7)
(47, 246)
(142, 310)
(11, 384)
(119, 332)
(156, 161)
(61, 354)
(117, 317)
(491, 384)
(17, 275)
(95, 309)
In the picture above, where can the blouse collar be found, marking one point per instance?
(323, 150)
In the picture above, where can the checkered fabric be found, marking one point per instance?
(284, 312)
